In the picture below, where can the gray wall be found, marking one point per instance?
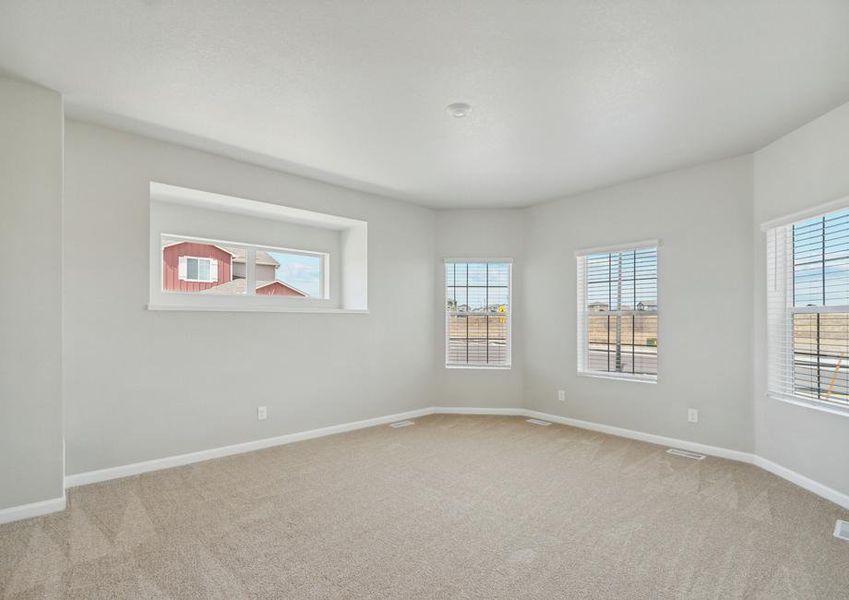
(30, 302)
(141, 385)
(127, 390)
(702, 217)
(801, 170)
(480, 234)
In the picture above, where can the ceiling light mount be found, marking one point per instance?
(458, 110)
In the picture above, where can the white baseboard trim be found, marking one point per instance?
(651, 438)
(194, 457)
(807, 483)
(47, 506)
(467, 410)
(35, 509)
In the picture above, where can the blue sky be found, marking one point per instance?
(300, 271)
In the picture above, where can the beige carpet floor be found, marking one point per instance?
(452, 507)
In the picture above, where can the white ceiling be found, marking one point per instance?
(566, 95)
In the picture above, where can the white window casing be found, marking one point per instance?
(617, 311)
(807, 311)
(478, 312)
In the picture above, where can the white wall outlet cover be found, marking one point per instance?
(261, 413)
(561, 395)
(693, 415)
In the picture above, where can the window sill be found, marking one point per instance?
(813, 404)
(289, 309)
(614, 377)
(480, 367)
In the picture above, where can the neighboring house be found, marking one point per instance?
(597, 306)
(266, 266)
(647, 305)
(208, 268)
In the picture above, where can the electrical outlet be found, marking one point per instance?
(692, 415)
(261, 413)
(561, 395)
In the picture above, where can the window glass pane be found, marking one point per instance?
(477, 339)
(203, 270)
(461, 296)
(821, 261)
(497, 336)
(460, 274)
(477, 299)
(598, 335)
(457, 337)
(477, 274)
(498, 300)
(820, 352)
(598, 296)
(449, 274)
(499, 274)
(645, 344)
(457, 350)
(623, 344)
(293, 275)
(192, 266)
(450, 299)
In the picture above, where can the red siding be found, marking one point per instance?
(277, 289)
(171, 261)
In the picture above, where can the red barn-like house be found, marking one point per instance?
(213, 269)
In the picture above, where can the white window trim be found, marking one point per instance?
(199, 258)
(583, 323)
(478, 365)
(784, 327)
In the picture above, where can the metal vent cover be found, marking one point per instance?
(538, 422)
(398, 424)
(685, 453)
(841, 530)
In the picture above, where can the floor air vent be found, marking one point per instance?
(841, 530)
(538, 422)
(402, 424)
(685, 454)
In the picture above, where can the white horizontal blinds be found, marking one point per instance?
(779, 319)
(618, 312)
(808, 309)
(582, 314)
(477, 313)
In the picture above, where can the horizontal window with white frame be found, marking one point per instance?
(478, 312)
(618, 311)
(215, 252)
(192, 265)
(808, 310)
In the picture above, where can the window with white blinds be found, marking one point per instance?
(617, 312)
(808, 310)
(477, 313)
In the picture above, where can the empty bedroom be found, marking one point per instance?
(413, 300)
